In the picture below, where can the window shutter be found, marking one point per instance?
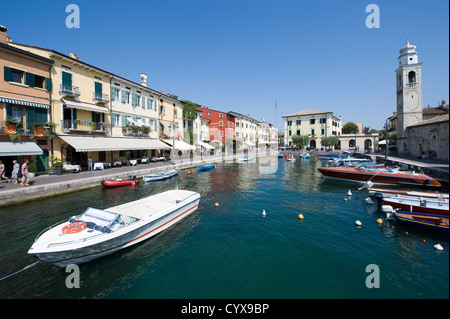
(30, 117)
(30, 79)
(67, 80)
(98, 87)
(113, 117)
(112, 93)
(124, 96)
(133, 99)
(124, 120)
(7, 74)
(143, 102)
(149, 105)
(48, 84)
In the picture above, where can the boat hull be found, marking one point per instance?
(109, 243)
(205, 167)
(115, 183)
(353, 174)
(160, 176)
(416, 207)
(425, 221)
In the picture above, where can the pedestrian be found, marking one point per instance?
(24, 172)
(15, 171)
(2, 171)
(90, 164)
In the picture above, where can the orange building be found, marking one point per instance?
(25, 87)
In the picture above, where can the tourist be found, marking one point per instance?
(2, 172)
(15, 171)
(24, 172)
(90, 164)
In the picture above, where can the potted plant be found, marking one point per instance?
(32, 170)
(48, 127)
(127, 156)
(11, 124)
(55, 165)
(38, 129)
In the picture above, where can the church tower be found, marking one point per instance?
(409, 94)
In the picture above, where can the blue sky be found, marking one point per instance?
(244, 55)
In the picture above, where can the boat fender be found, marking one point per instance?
(345, 199)
(358, 223)
(73, 228)
(264, 213)
(438, 247)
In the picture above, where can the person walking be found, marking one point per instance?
(15, 171)
(24, 172)
(2, 172)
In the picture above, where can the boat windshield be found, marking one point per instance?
(99, 217)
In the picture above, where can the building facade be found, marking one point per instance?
(313, 123)
(246, 130)
(25, 86)
(221, 125)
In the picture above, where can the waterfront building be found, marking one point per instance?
(267, 135)
(221, 125)
(313, 123)
(25, 86)
(419, 132)
(246, 130)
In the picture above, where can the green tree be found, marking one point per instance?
(329, 141)
(300, 140)
(350, 128)
(189, 112)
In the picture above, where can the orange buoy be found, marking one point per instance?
(74, 228)
(345, 199)
(216, 204)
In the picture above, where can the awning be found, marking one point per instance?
(13, 148)
(23, 102)
(100, 143)
(180, 145)
(207, 146)
(85, 106)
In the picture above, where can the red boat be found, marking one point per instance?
(119, 182)
(419, 205)
(379, 176)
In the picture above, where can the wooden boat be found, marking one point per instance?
(425, 221)
(418, 205)
(97, 233)
(120, 182)
(160, 175)
(379, 176)
(206, 166)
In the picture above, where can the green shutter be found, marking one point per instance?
(48, 84)
(124, 96)
(7, 74)
(149, 105)
(112, 93)
(30, 79)
(124, 120)
(67, 81)
(98, 89)
(133, 99)
(143, 102)
(74, 116)
(30, 118)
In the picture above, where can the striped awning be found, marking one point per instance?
(23, 102)
(85, 106)
(13, 148)
(101, 143)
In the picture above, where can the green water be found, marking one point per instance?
(232, 251)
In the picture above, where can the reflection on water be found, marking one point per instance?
(232, 251)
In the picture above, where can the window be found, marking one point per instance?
(39, 81)
(127, 97)
(323, 120)
(312, 121)
(298, 132)
(322, 131)
(289, 123)
(220, 123)
(312, 131)
(290, 133)
(299, 122)
(220, 115)
(116, 94)
(17, 76)
(138, 100)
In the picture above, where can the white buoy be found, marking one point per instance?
(349, 193)
(358, 223)
(438, 247)
(264, 213)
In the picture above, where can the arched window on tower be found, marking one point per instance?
(412, 79)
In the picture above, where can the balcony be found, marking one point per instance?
(101, 97)
(69, 90)
(87, 126)
(412, 85)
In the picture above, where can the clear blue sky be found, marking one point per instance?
(244, 55)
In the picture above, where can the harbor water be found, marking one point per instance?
(233, 251)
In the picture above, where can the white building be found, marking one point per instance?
(313, 123)
(246, 130)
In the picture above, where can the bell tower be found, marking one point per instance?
(409, 94)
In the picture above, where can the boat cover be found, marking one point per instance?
(97, 219)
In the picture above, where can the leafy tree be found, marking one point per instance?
(350, 128)
(300, 140)
(329, 141)
(189, 110)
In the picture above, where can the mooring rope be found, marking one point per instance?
(15, 273)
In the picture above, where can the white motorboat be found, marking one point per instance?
(160, 175)
(97, 233)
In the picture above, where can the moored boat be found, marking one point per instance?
(394, 191)
(379, 176)
(305, 156)
(425, 221)
(97, 233)
(206, 166)
(417, 205)
(120, 182)
(160, 175)
(290, 158)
